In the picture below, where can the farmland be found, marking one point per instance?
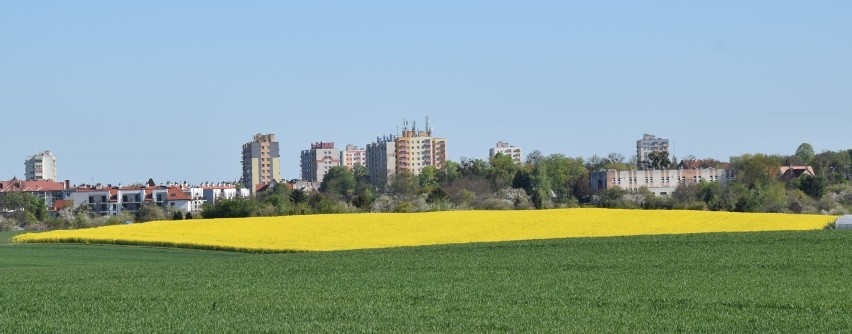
(381, 230)
(719, 282)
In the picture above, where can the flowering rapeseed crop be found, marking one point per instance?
(379, 230)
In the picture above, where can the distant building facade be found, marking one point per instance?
(318, 160)
(659, 182)
(52, 193)
(41, 166)
(513, 152)
(417, 149)
(261, 161)
(647, 145)
(353, 155)
(381, 160)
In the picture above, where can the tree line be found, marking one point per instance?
(541, 182)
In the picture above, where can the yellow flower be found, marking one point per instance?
(380, 230)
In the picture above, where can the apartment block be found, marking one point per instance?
(318, 160)
(516, 153)
(41, 166)
(261, 161)
(381, 160)
(648, 144)
(416, 149)
(659, 182)
(353, 155)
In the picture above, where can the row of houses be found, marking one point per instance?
(114, 200)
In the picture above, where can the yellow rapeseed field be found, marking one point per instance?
(380, 230)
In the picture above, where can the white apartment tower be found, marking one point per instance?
(508, 150)
(648, 144)
(318, 160)
(41, 166)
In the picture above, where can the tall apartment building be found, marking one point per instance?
(508, 150)
(381, 160)
(417, 149)
(41, 166)
(648, 144)
(318, 160)
(261, 161)
(353, 155)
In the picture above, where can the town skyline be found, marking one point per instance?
(124, 92)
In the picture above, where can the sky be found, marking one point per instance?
(124, 91)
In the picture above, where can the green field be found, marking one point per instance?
(728, 282)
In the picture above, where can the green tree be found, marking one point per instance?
(563, 174)
(428, 179)
(451, 172)
(659, 159)
(339, 180)
(231, 208)
(404, 184)
(177, 215)
(24, 206)
(501, 171)
(540, 186)
(805, 152)
(150, 212)
(812, 186)
(755, 171)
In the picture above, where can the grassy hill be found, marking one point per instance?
(723, 282)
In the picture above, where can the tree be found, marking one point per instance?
(178, 215)
(805, 152)
(564, 172)
(339, 180)
(428, 179)
(812, 186)
(404, 184)
(502, 170)
(231, 208)
(25, 206)
(474, 167)
(540, 186)
(150, 212)
(450, 173)
(188, 215)
(757, 170)
(659, 159)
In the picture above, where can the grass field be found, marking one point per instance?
(720, 282)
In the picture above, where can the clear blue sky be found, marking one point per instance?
(122, 91)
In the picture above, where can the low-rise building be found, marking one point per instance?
(659, 182)
(52, 193)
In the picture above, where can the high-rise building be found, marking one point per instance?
(41, 166)
(318, 160)
(648, 144)
(417, 149)
(508, 150)
(261, 161)
(381, 160)
(353, 155)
